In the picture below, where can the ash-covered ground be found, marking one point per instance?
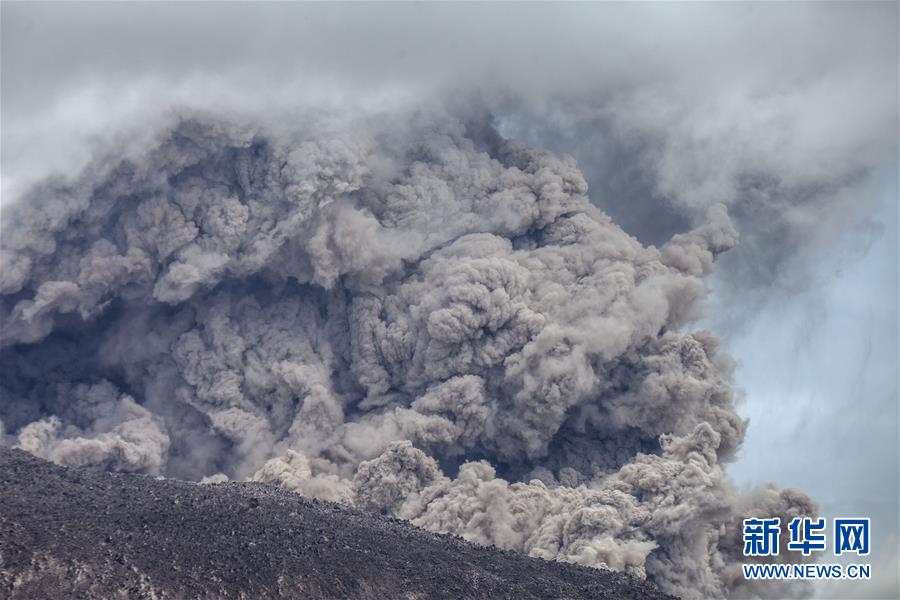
(80, 533)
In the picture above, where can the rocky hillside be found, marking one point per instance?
(76, 533)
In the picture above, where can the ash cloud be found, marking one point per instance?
(399, 311)
(412, 309)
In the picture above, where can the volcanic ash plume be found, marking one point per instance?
(401, 312)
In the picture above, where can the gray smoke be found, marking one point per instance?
(399, 311)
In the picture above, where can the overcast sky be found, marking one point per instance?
(787, 113)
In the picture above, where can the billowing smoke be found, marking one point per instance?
(400, 311)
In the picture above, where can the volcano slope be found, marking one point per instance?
(81, 533)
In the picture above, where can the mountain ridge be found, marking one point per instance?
(82, 533)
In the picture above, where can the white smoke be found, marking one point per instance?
(400, 311)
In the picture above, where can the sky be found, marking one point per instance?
(819, 371)
(786, 113)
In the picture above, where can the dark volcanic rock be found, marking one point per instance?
(75, 533)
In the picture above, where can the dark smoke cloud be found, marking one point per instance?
(412, 310)
(404, 312)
